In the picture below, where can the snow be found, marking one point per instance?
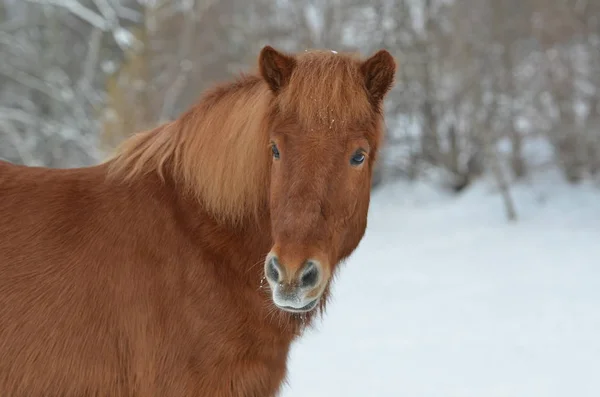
(445, 298)
(125, 39)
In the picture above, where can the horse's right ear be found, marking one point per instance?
(275, 67)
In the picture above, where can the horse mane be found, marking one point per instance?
(326, 88)
(218, 149)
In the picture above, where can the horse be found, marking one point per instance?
(187, 262)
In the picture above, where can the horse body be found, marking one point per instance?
(79, 306)
(145, 275)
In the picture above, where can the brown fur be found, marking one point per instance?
(142, 276)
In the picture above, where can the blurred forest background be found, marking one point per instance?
(484, 87)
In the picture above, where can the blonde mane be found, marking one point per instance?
(217, 150)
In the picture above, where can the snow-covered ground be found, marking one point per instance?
(445, 298)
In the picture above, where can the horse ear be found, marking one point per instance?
(378, 72)
(275, 67)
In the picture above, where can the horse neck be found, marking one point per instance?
(236, 251)
(233, 243)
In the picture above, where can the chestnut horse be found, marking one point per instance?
(187, 264)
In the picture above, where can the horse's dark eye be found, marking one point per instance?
(357, 158)
(275, 151)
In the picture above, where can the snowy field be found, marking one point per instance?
(445, 298)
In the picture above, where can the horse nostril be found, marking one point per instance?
(273, 270)
(310, 275)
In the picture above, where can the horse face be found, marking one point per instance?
(319, 201)
(325, 134)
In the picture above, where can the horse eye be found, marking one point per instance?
(275, 151)
(357, 158)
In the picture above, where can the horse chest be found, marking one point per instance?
(227, 353)
(244, 376)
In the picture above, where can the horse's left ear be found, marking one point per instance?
(378, 72)
(275, 67)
